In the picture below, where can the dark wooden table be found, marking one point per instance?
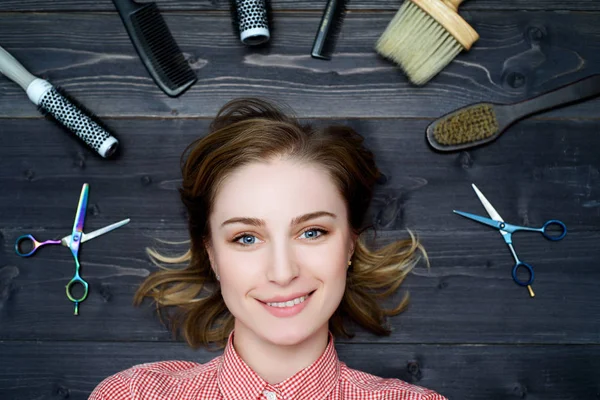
(470, 332)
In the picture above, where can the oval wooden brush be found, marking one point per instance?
(481, 123)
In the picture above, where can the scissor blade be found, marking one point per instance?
(480, 219)
(81, 209)
(490, 210)
(102, 231)
(488, 206)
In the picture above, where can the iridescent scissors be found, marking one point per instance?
(507, 230)
(72, 241)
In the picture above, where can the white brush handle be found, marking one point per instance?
(13, 69)
(35, 87)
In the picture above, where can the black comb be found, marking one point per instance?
(329, 29)
(156, 47)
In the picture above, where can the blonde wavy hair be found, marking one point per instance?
(253, 130)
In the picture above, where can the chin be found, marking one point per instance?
(289, 335)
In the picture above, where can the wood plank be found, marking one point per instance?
(355, 5)
(465, 294)
(520, 55)
(44, 370)
(535, 171)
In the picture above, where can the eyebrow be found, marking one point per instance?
(295, 221)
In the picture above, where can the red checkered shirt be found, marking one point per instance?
(228, 377)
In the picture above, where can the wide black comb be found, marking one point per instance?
(156, 47)
(329, 29)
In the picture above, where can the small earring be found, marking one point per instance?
(349, 262)
(218, 278)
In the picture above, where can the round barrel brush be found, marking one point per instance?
(54, 103)
(424, 36)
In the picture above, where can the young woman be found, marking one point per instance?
(276, 265)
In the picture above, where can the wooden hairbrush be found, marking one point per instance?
(481, 123)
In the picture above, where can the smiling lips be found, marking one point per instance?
(287, 308)
(289, 303)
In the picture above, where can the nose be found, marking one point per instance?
(282, 268)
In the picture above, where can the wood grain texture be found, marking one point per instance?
(92, 58)
(72, 370)
(354, 5)
(536, 171)
(470, 332)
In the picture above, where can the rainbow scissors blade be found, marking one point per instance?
(507, 230)
(71, 241)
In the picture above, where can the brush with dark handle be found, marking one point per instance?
(324, 27)
(562, 96)
(156, 46)
(62, 109)
(571, 93)
(507, 114)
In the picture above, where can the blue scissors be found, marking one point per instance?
(507, 230)
(72, 241)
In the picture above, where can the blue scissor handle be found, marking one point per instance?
(551, 222)
(35, 244)
(528, 267)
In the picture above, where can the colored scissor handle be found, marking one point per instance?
(77, 279)
(36, 244)
(529, 269)
(503, 226)
(555, 236)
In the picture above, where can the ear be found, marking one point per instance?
(353, 239)
(210, 252)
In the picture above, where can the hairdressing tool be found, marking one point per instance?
(251, 21)
(156, 47)
(56, 104)
(72, 241)
(481, 123)
(507, 230)
(424, 36)
(35, 245)
(329, 28)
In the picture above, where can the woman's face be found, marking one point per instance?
(280, 242)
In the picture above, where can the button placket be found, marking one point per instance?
(270, 395)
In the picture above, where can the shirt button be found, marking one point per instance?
(270, 395)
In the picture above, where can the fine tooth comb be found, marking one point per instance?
(329, 28)
(481, 123)
(156, 47)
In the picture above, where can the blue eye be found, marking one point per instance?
(313, 233)
(246, 239)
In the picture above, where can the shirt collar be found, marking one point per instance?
(237, 380)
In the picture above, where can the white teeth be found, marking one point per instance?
(290, 303)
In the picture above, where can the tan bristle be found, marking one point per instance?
(469, 125)
(418, 43)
